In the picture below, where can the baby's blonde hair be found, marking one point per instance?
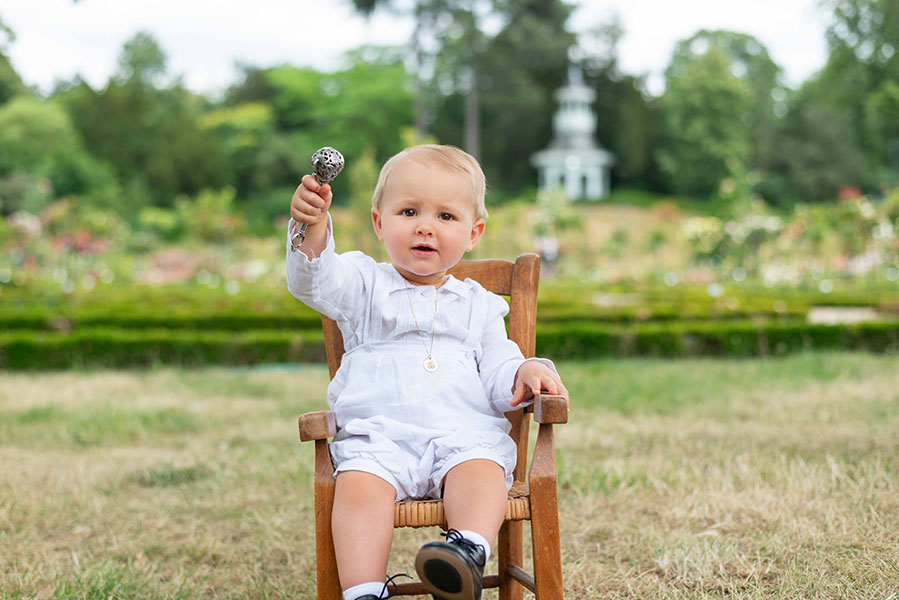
(448, 157)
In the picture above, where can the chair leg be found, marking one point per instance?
(545, 520)
(327, 583)
(510, 551)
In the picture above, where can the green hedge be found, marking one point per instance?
(129, 348)
(559, 313)
(225, 314)
(97, 318)
(140, 348)
(303, 318)
(574, 340)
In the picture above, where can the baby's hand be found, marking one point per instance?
(533, 377)
(310, 201)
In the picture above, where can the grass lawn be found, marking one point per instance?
(775, 478)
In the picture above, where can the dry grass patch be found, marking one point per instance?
(785, 488)
(688, 479)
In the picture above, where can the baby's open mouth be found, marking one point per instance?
(423, 248)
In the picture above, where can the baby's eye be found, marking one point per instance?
(408, 212)
(446, 217)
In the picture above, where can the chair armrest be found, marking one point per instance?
(319, 425)
(550, 410)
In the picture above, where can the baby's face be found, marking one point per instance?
(426, 220)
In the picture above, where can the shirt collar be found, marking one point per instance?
(460, 288)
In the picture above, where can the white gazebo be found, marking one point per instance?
(574, 161)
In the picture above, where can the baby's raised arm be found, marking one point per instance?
(309, 205)
(333, 284)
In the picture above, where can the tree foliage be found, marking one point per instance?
(367, 104)
(521, 67)
(705, 109)
(151, 135)
(10, 82)
(41, 157)
(862, 71)
(748, 61)
(479, 74)
(628, 119)
(816, 155)
(142, 61)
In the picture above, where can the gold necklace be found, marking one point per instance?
(430, 363)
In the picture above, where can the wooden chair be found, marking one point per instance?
(534, 499)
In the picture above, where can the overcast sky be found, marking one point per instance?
(204, 39)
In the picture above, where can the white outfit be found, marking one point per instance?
(395, 419)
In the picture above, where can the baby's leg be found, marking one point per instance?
(362, 525)
(475, 497)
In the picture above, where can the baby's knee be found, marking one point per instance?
(364, 488)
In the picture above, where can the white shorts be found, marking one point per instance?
(417, 462)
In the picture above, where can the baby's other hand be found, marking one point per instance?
(310, 201)
(532, 378)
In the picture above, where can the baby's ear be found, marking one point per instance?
(477, 230)
(376, 222)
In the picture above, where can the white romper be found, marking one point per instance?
(395, 419)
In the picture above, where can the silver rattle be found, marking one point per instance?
(327, 163)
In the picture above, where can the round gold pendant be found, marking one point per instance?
(430, 365)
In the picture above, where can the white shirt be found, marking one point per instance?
(382, 379)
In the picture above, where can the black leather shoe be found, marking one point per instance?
(452, 570)
(386, 592)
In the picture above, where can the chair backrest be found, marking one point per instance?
(518, 281)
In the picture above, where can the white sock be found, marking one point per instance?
(372, 587)
(477, 538)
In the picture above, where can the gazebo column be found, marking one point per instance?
(594, 189)
(552, 177)
(573, 183)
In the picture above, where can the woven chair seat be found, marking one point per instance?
(429, 513)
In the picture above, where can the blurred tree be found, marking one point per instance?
(749, 61)
(295, 94)
(705, 109)
(458, 63)
(150, 134)
(453, 29)
(866, 32)
(362, 176)
(882, 115)
(10, 82)
(628, 119)
(247, 130)
(368, 103)
(521, 67)
(882, 124)
(861, 73)
(31, 132)
(255, 87)
(210, 216)
(41, 158)
(417, 54)
(816, 153)
(142, 61)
